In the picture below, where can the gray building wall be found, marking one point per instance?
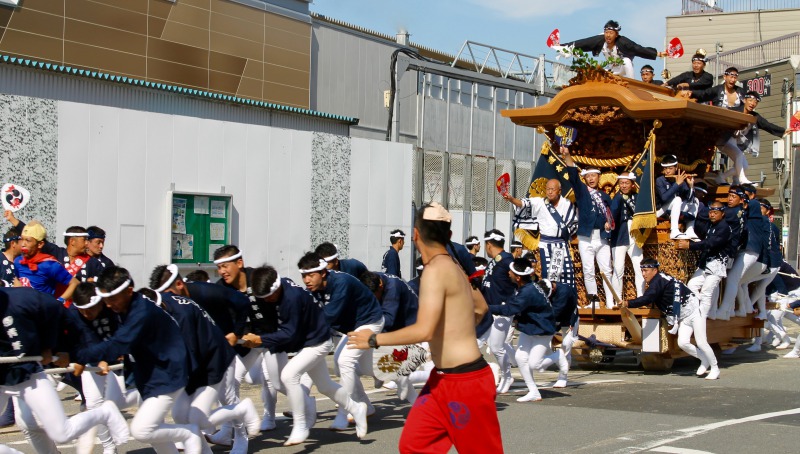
(350, 72)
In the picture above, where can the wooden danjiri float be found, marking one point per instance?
(618, 119)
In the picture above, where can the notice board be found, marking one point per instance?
(199, 224)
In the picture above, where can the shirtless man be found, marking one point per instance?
(457, 406)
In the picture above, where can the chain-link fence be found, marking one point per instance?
(470, 181)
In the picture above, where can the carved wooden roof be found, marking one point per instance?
(637, 100)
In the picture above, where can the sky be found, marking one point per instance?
(518, 25)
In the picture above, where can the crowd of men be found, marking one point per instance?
(185, 345)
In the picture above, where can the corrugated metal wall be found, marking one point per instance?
(350, 72)
(36, 83)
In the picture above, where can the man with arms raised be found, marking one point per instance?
(456, 407)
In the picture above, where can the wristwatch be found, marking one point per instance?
(373, 341)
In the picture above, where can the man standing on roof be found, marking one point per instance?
(612, 44)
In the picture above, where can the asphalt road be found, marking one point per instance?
(754, 407)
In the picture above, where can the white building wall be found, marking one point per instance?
(117, 165)
(380, 200)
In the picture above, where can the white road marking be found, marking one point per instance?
(690, 432)
(674, 450)
(571, 384)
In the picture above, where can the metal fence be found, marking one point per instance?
(760, 53)
(734, 6)
(469, 182)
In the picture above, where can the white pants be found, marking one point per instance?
(311, 360)
(704, 283)
(625, 69)
(501, 350)
(271, 367)
(635, 253)
(260, 363)
(676, 207)
(569, 336)
(100, 388)
(775, 323)
(730, 149)
(696, 324)
(743, 261)
(532, 354)
(36, 396)
(752, 272)
(148, 425)
(759, 295)
(354, 362)
(591, 249)
(251, 363)
(196, 408)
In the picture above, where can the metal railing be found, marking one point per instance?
(734, 6)
(760, 53)
(538, 71)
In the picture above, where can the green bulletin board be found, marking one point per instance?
(199, 224)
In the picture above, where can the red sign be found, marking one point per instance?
(760, 84)
(503, 184)
(554, 39)
(675, 48)
(794, 122)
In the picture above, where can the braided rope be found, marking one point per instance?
(607, 162)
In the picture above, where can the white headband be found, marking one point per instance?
(419, 268)
(74, 234)
(235, 256)
(158, 299)
(495, 237)
(98, 295)
(669, 165)
(480, 267)
(173, 274)
(322, 265)
(526, 272)
(334, 256)
(397, 235)
(94, 300)
(275, 286)
(588, 171)
(472, 242)
(627, 176)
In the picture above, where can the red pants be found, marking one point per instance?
(454, 409)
